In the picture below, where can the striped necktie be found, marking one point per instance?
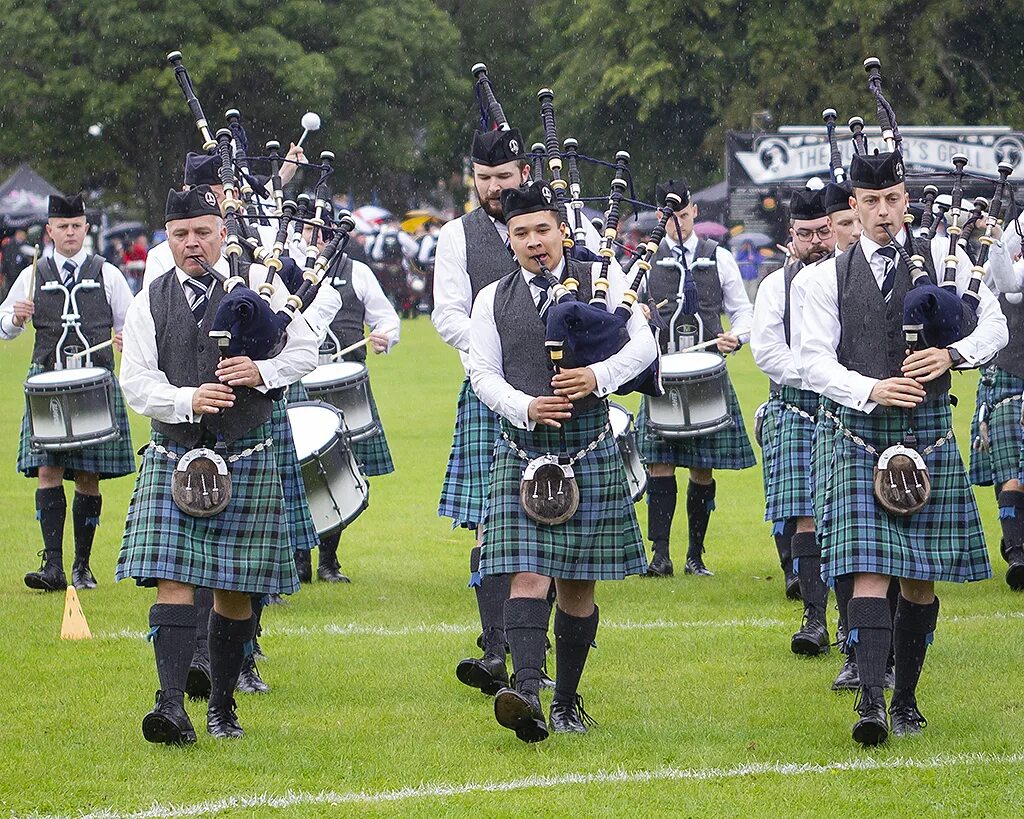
(544, 300)
(508, 247)
(69, 268)
(888, 253)
(197, 291)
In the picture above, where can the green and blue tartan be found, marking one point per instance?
(373, 453)
(464, 491)
(1001, 393)
(728, 448)
(602, 541)
(788, 493)
(821, 453)
(769, 425)
(299, 526)
(942, 542)
(112, 459)
(295, 393)
(244, 548)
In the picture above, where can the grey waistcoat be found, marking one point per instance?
(348, 322)
(872, 342)
(487, 258)
(1011, 357)
(524, 359)
(663, 283)
(188, 357)
(96, 320)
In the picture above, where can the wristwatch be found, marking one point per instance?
(955, 357)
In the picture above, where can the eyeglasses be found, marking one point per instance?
(822, 233)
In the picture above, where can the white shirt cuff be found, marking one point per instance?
(183, 403)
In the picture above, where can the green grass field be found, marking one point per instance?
(702, 708)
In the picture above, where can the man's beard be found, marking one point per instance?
(815, 254)
(492, 207)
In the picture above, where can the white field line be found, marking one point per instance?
(441, 790)
(370, 630)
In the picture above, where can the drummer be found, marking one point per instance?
(363, 304)
(685, 257)
(102, 314)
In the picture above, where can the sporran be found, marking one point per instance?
(548, 491)
(201, 484)
(902, 485)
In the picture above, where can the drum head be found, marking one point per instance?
(338, 372)
(68, 378)
(619, 419)
(684, 364)
(314, 425)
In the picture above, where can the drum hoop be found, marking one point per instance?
(105, 380)
(673, 379)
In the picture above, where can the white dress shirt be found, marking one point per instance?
(735, 301)
(147, 389)
(821, 330)
(378, 312)
(797, 297)
(158, 261)
(119, 294)
(772, 353)
(485, 356)
(1002, 273)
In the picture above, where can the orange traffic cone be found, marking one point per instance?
(74, 626)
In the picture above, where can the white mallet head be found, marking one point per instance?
(310, 122)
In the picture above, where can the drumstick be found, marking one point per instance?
(350, 348)
(661, 304)
(703, 345)
(92, 349)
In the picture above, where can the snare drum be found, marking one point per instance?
(346, 385)
(69, 409)
(621, 421)
(695, 401)
(336, 491)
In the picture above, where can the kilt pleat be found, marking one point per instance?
(728, 448)
(821, 453)
(112, 459)
(601, 541)
(299, 528)
(769, 427)
(244, 548)
(373, 453)
(295, 393)
(1001, 393)
(464, 491)
(942, 542)
(788, 493)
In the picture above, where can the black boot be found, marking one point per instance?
(573, 638)
(847, 679)
(303, 565)
(913, 629)
(173, 631)
(700, 502)
(197, 686)
(812, 639)
(782, 531)
(661, 506)
(85, 516)
(327, 568)
(1011, 519)
(51, 510)
(230, 643)
(518, 708)
(249, 679)
(870, 623)
(488, 673)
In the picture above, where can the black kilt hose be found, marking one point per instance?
(942, 542)
(999, 393)
(601, 541)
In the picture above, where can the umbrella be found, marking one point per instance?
(415, 219)
(369, 217)
(756, 239)
(124, 229)
(710, 230)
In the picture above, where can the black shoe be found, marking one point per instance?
(521, 713)
(812, 639)
(197, 685)
(168, 723)
(570, 717)
(848, 678)
(331, 574)
(50, 577)
(222, 723)
(303, 565)
(487, 673)
(695, 566)
(660, 566)
(906, 719)
(1015, 572)
(873, 726)
(82, 576)
(890, 678)
(792, 586)
(249, 681)
(546, 681)
(276, 600)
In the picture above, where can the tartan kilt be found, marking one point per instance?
(295, 393)
(602, 541)
(464, 491)
(244, 548)
(944, 541)
(1002, 460)
(299, 528)
(769, 426)
(788, 493)
(821, 453)
(373, 453)
(728, 448)
(112, 459)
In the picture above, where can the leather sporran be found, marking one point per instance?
(201, 484)
(902, 485)
(548, 491)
